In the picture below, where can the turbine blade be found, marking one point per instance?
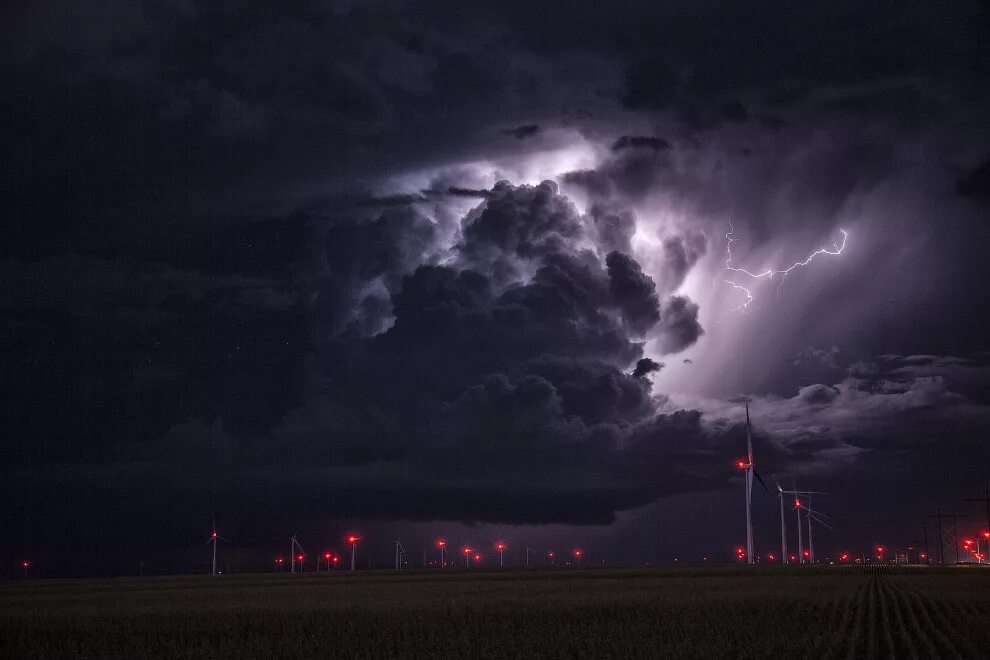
(760, 479)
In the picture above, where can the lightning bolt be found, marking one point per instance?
(769, 274)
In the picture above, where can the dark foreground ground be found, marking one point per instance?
(684, 613)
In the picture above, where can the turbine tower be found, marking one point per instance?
(811, 514)
(398, 550)
(749, 490)
(215, 538)
(783, 527)
(750, 469)
(293, 547)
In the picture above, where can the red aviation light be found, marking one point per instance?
(441, 543)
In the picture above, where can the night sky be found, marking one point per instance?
(458, 269)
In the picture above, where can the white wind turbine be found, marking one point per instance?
(293, 548)
(811, 514)
(750, 470)
(215, 538)
(398, 550)
(783, 526)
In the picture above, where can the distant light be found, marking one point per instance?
(213, 535)
(441, 543)
(25, 564)
(326, 555)
(353, 539)
(477, 557)
(299, 558)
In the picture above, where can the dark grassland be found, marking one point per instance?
(676, 613)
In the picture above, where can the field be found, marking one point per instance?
(663, 613)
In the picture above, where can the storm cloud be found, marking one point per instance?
(400, 262)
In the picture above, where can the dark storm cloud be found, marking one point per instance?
(615, 226)
(640, 142)
(525, 222)
(634, 291)
(196, 266)
(680, 254)
(522, 132)
(646, 366)
(679, 326)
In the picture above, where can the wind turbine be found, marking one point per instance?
(783, 527)
(214, 539)
(293, 546)
(398, 549)
(811, 514)
(443, 549)
(353, 540)
(529, 550)
(750, 470)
